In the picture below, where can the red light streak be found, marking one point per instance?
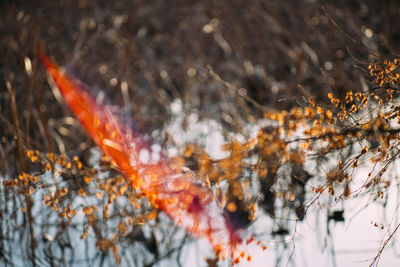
(188, 203)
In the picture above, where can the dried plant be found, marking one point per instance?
(300, 73)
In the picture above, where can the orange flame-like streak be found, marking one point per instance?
(188, 203)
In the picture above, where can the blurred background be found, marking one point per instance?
(224, 61)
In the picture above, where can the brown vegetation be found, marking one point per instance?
(301, 72)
